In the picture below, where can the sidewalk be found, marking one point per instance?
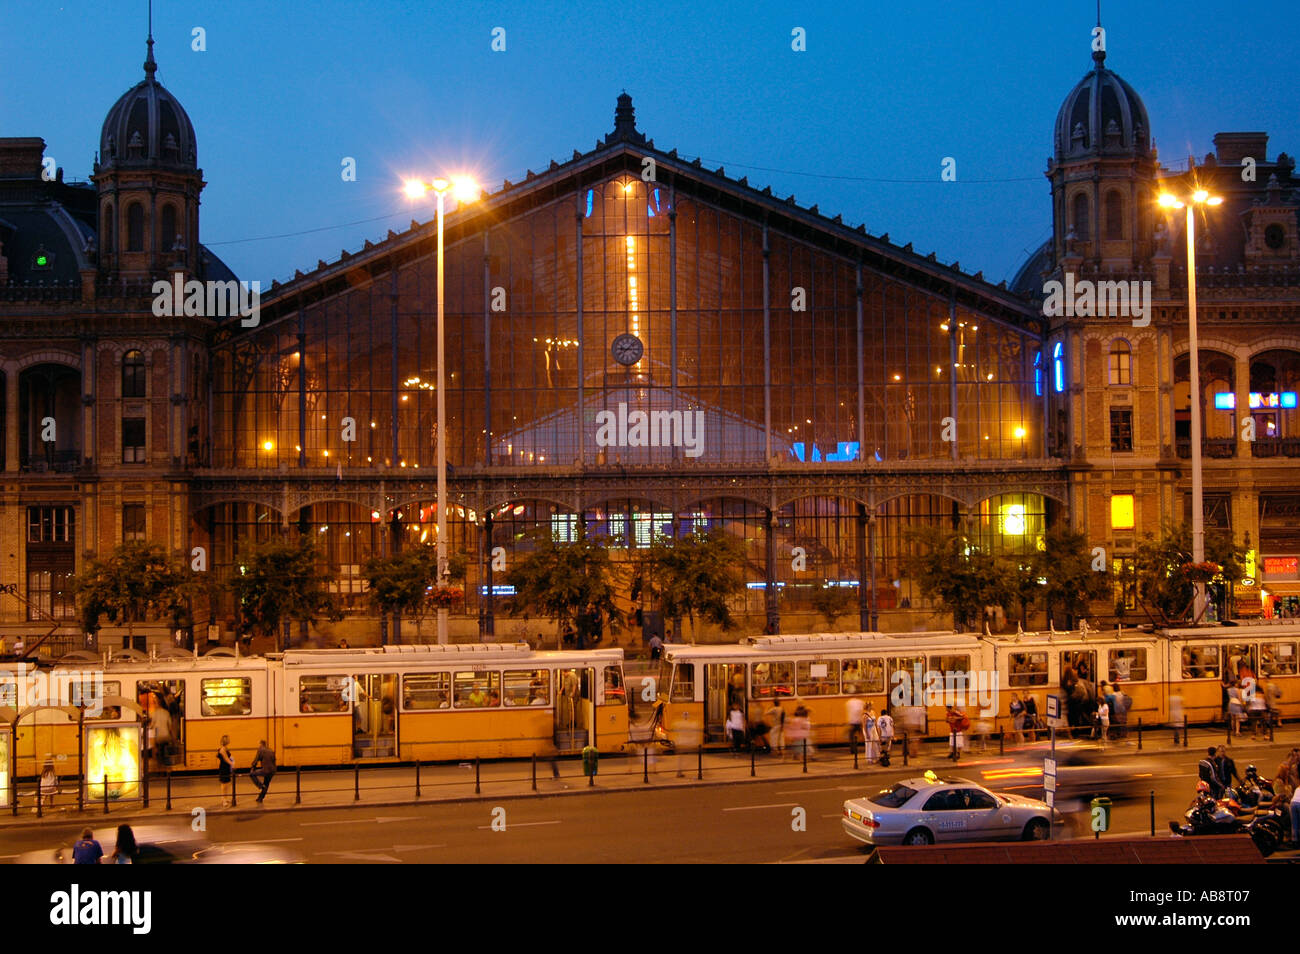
(373, 786)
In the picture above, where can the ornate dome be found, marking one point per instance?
(1102, 116)
(148, 126)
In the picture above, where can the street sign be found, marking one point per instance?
(1053, 707)
(1049, 766)
(1050, 798)
(1049, 783)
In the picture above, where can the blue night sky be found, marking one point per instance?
(286, 90)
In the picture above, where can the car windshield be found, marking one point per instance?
(894, 797)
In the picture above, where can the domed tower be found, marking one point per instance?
(149, 183)
(1103, 173)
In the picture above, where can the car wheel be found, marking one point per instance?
(918, 836)
(1036, 830)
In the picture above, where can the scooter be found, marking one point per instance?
(1210, 816)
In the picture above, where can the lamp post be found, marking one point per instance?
(1199, 197)
(464, 190)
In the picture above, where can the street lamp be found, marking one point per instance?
(464, 189)
(1199, 197)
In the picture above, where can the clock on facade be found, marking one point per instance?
(627, 349)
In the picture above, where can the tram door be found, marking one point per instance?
(724, 684)
(374, 716)
(574, 708)
(164, 701)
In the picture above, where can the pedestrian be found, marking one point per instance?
(1017, 709)
(656, 646)
(225, 770)
(1225, 767)
(1177, 718)
(1031, 717)
(1103, 722)
(775, 718)
(343, 644)
(1257, 706)
(87, 851)
(1207, 771)
(49, 785)
(958, 723)
(125, 850)
(799, 732)
(262, 769)
(871, 735)
(885, 725)
(853, 714)
(1119, 707)
(1236, 712)
(736, 728)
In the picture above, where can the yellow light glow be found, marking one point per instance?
(267, 445)
(440, 185)
(627, 187)
(1214, 200)
(1013, 520)
(1169, 202)
(1200, 195)
(464, 189)
(1019, 432)
(1121, 512)
(415, 188)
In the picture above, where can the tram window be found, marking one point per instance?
(950, 664)
(1127, 665)
(819, 677)
(527, 687)
(863, 675)
(8, 694)
(1277, 659)
(323, 693)
(683, 687)
(771, 679)
(477, 690)
(1200, 662)
(1083, 662)
(615, 695)
(426, 690)
(1241, 657)
(230, 696)
(110, 712)
(1027, 669)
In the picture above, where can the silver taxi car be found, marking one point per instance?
(929, 809)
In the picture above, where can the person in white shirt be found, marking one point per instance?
(871, 733)
(736, 728)
(885, 725)
(1103, 722)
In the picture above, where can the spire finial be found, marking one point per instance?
(1099, 42)
(150, 66)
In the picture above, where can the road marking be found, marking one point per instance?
(260, 841)
(750, 808)
(801, 791)
(415, 847)
(522, 824)
(362, 856)
(380, 820)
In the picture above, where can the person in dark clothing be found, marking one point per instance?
(262, 769)
(1207, 771)
(1225, 769)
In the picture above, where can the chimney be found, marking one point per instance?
(21, 158)
(1232, 147)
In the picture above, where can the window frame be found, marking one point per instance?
(445, 689)
(212, 714)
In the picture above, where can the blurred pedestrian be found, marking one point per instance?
(853, 713)
(798, 732)
(1017, 709)
(1031, 717)
(49, 785)
(1236, 712)
(1119, 706)
(775, 718)
(87, 851)
(1207, 771)
(1177, 718)
(885, 724)
(736, 728)
(1257, 707)
(125, 850)
(225, 769)
(958, 724)
(262, 769)
(656, 646)
(1103, 722)
(1225, 768)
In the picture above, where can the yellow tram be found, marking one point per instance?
(325, 707)
(822, 672)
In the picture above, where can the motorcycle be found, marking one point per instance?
(1210, 816)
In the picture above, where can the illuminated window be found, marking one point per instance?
(1058, 367)
(1038, 373)
(1013, 520)
(1121, 512)
(1225, 401)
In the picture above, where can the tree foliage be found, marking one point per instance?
(961, 578)
(399, 583)
(696, 575)
(282, 580)
(1164, 589)
(571, 583)
(1072, 584)
(832, 602)
(133, 582)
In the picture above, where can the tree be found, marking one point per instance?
(1066, 563)
(1165, 571)
(403, 583)
(136, 580)
(832, 602)
(961, 578)
(696, 575)
(572, 583)
(282, 580)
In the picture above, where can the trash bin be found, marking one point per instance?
(590, 760)
(1101, 815)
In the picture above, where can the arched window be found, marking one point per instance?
(1082, 228)
(108, 233)
(1038, 373)
(135, 227)
(1058, 367)
(133, 375)
(167, 234)
(1121, 362)
(1114, 215)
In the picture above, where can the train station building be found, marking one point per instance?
(639, 345)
